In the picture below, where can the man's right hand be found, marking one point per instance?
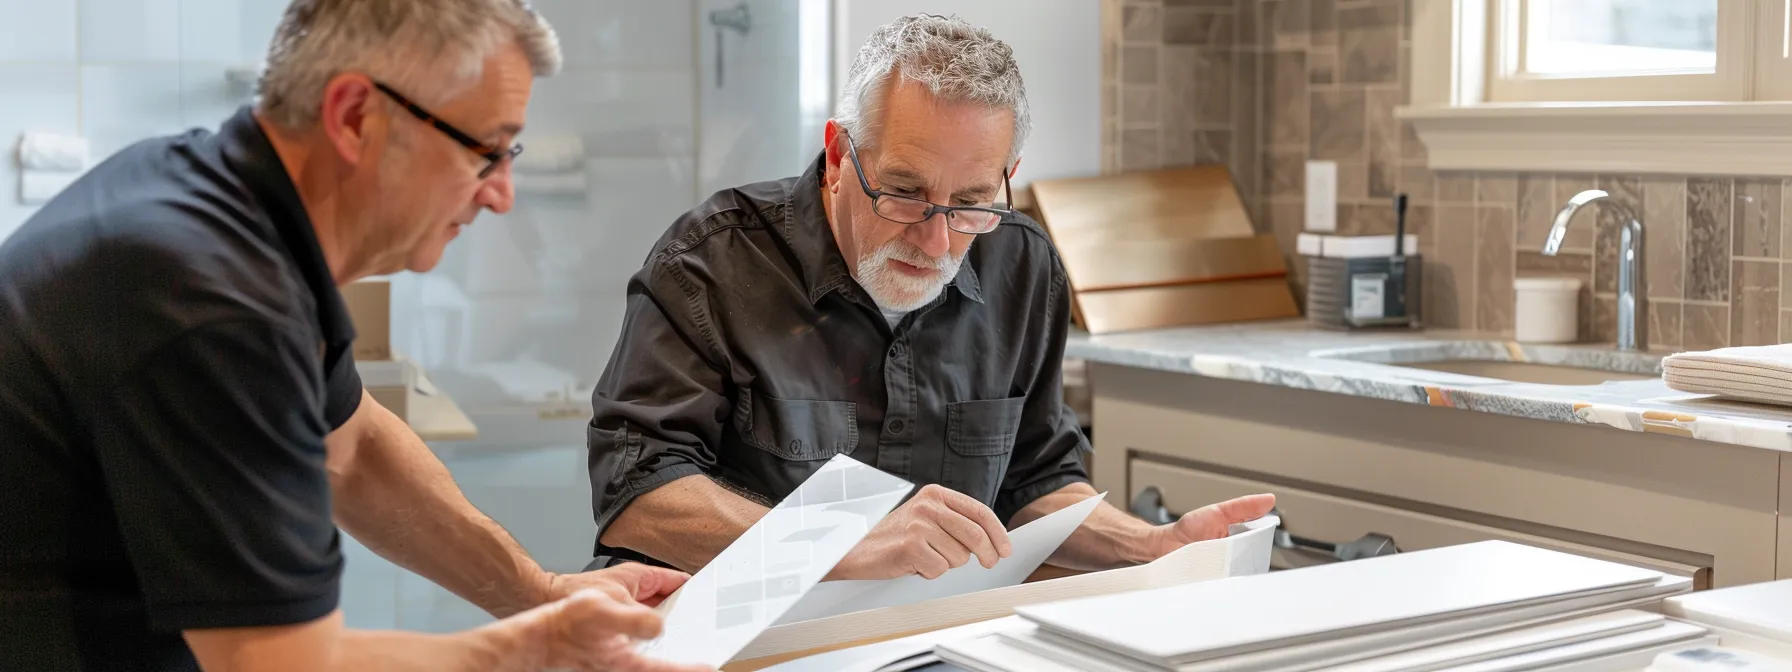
(590, 632)
(936, 530)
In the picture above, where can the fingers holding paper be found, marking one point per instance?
(935, 531)
(1211, 522)
(590, 631)
(629, 582)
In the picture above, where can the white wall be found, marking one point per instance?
(1058, 45)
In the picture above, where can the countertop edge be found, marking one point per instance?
(1288, 373)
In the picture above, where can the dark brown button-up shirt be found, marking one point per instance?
(750, 355)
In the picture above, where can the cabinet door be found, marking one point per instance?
(1336, 519)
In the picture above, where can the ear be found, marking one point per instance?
(1015, 169)
(346, 116)
(834, 140)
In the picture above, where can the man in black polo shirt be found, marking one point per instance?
(181, 425)
(848, 311)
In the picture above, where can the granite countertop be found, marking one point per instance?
(1364, 364)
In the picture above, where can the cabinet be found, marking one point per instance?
(1343, 466)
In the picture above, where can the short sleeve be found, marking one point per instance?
(212, 451)
(342, 391)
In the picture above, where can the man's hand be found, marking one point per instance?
(936, 530)
(1207, 522)
(589, 632)
(631, 582)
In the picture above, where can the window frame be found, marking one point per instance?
(1732, 80)
(1465, 126)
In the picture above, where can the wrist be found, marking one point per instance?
(504, 646)
(1144, 546)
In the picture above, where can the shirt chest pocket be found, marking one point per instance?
(798, 430)
(980, 436)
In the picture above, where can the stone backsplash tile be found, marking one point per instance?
(1140, 106)
(1496, 189)
(1664, 237)
(1705, 326)
(1213, 147)
(1287, 102)
(1755, 308)
(1664, 323)
(1198, 26)
(1322, 17)
(1284, 23)
(1456, 188)
(1138, 65)
(1337, 125)
(1493, 269)
(1755, 218)
(1383, 143)
(1214, 72)
(1322, 68)
(1708, 202)
(1534, 264)
(1142, 22)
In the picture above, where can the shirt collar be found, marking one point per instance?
(248, 150)
(824, 269)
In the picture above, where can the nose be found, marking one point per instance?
(498, 192)
(931, 235)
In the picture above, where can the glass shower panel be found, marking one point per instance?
(766, 92)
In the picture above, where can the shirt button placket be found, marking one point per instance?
(894, 457)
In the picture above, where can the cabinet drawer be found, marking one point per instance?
(1337, 519)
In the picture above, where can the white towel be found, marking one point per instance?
(53, 152)
(1752, 373)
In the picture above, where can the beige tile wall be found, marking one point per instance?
(1265, 85)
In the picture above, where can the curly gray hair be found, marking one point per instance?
(431, 49)
(955, 60)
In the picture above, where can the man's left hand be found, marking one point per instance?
(1208, 522)
(630, 582)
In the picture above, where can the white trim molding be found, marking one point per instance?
(1681, 138)
(1462, 131)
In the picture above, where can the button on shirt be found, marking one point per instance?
(173, 351)
(750, 355)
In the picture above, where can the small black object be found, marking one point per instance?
(1149, 505)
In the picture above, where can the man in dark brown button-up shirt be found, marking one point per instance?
(847, 311)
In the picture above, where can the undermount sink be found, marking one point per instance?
(1509, 362)
(1526, 372)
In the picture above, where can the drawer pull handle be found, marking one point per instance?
(1149, 505)
(1369, 545)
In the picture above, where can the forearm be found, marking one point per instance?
(685, 523)
(325, 645)
(1107, 539)
(398, 499)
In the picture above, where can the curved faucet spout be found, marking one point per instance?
(1632, 329)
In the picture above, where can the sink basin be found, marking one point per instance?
(1510, 362)
(1525, 372)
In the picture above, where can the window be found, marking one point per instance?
(1690, 86)
(1644, 50)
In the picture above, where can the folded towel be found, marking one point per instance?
(1753, 373)
(53, 152)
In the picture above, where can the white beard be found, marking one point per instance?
(899, 292)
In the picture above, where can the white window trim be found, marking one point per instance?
(1462, 132)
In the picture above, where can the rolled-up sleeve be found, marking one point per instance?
(1050, 447)
(659, 409)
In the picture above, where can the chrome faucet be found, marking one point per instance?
(1632, 329)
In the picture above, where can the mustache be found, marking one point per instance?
(913, 256)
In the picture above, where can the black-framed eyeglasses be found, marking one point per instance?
(492, 155)
(971, 219)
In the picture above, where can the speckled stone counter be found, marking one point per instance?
(1294, 355)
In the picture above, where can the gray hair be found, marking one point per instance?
(955, 60)
(431, 50)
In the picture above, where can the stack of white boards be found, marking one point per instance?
(1482, 607)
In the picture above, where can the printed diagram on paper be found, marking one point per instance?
(779, 559)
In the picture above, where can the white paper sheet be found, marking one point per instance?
(770, 567)
(1032, 544)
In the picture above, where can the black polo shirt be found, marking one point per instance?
(173, 351)
(750, 354)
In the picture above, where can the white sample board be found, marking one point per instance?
(1201, 621)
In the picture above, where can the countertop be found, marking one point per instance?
(1292, 354)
